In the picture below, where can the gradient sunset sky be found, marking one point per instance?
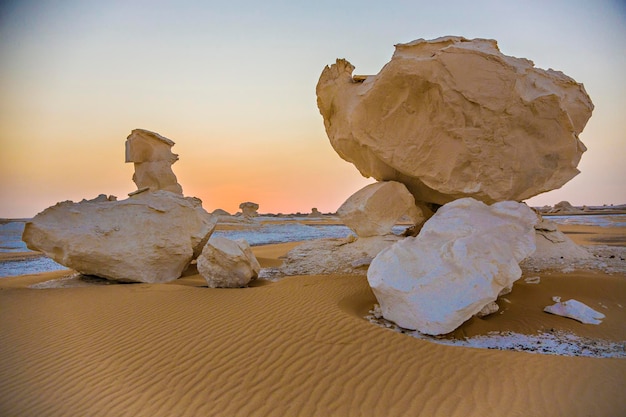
(233, 84)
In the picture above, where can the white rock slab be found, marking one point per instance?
(576, 310)
(460, 261)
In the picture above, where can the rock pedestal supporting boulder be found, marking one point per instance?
(453, 118)
(460, 261)
(228, 263)
(153, 158)
(150, 237)
(373, 210)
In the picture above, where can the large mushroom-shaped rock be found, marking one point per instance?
(249, 209)
(153, 158)
(150, 237)
(453, 118)
(461, 260)
(227, 263)
(374, 209)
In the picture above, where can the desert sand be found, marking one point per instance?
(297, 347)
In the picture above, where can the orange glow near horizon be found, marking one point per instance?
(234, 86)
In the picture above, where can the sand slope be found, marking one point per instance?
(298, 347)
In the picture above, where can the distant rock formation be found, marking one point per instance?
(150, 237)
(464, 256)
(453, 118)
(373, 210)
(249, 209)
(565, 207)
(315, 213)
(228, 263)
(153, 158)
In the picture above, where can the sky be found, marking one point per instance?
(233, 84)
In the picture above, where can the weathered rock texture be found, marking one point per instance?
(335, 256)
(249, 209)
(453, 118)
(374, 209)
(460, 261)
(151, 237)
(553, 244)
(228, 263)
(153, 158)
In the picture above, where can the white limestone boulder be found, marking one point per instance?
(453, 118)
(375, 209)
(460, 261)
(228, 263)
(150, 237)
(153, 158)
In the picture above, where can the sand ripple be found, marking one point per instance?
(298, 347)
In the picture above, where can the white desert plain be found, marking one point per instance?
(156, 315)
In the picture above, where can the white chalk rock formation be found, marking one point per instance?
(153, 158)
(460, 261)
(249, 209)
(374, 209)
(453, 118)
(576, 310)
(150, 237)
(228, 263)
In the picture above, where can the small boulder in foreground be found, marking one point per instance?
(226, 263)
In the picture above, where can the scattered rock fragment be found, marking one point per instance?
(576, 310)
